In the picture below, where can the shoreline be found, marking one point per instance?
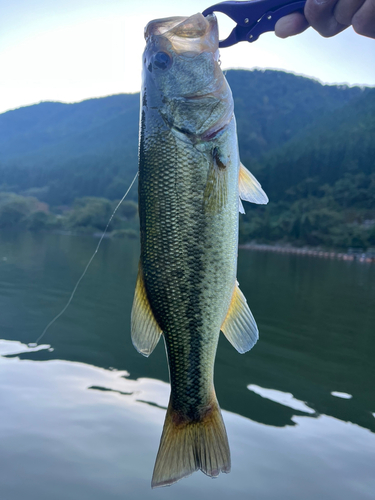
(351, 255)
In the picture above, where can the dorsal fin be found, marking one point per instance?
(249, 188)
(239, 326)
(145, 330)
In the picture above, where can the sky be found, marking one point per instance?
(71, 50)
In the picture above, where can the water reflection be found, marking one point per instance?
(71, 441)
(283, 398)
(342, 395)
(86, 408)
(11, 348)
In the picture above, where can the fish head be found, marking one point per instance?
(182, 78)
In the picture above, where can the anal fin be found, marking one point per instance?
(145, 330)
(239, 326)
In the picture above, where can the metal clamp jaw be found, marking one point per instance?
(253, 18)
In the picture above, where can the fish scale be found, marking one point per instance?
(190, 180)
(175, 244)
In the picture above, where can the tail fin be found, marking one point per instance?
(187, 446)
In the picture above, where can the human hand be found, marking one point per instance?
(329, 17)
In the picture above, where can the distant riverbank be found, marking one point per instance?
(352, 254)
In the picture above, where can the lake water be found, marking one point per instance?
(81, 415)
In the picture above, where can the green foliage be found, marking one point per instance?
(125, 233)
(41, 221)
(89, 212)
(71, 150)
(14, 209)
(272, 107)
(127, 210)
(339, 145)
(310, 145)
(87, 215)
(312, 221)
(90, 148)
(321, 183)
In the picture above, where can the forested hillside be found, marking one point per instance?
(312, 147)
(64, 151)
(321, 183)
(272, 107)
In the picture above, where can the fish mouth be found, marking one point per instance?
(188, 36)
(161, 26)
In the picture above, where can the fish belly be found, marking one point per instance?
(188, 257)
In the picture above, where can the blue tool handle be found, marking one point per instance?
(253, 18)
(270, 18)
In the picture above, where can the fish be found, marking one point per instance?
(191, 181)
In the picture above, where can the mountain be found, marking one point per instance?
(63, 151)
(273, 106)
(340, 143)
(321, 183)
(89, 127)
(69, 150)
(310, 145)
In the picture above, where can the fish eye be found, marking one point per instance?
(161, 60)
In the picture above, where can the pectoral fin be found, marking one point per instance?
(239, 326)
(145, 330)
(250, 189)
(240, 206)
(216, 191)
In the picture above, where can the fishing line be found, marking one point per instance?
(86, 268)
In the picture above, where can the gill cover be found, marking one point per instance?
(182, 79)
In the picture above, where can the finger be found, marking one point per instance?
(364, 20)
(319, 14)
(344, 10)
(290, 25)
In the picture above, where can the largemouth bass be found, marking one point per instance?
(190, 184)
